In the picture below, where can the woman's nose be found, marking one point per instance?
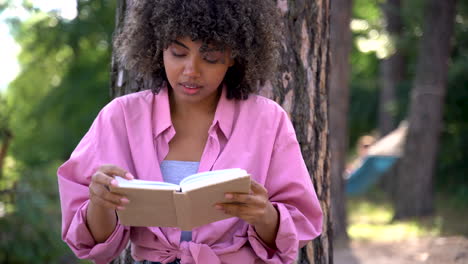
(192, 68)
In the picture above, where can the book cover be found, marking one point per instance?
(186, 206)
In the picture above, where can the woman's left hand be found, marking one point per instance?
(254, 208)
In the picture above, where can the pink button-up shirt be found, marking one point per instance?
(133, 132)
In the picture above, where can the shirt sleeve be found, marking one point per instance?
(291, 191)
(104, 143)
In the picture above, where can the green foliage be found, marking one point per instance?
(364, 94)
(64, 82)
(364, 73)
(452, 167)
(31, 231)
(368, 10)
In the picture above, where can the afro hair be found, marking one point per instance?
(250, 28)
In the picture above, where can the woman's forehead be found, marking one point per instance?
(203, 45)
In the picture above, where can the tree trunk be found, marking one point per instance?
(340, 47)
(121, 80)
(392, 71)
(415, 185)
(392, 68)
(301, 87)
(7, 136)
(122, 83)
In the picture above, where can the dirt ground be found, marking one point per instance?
(427, 250)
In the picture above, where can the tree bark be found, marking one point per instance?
(122, 83)
(392, 68)
(415, 185)
(340, 47)
(301, 87)
(7, 136)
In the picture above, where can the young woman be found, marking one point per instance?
(203, 60)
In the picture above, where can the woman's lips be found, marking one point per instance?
(190, 88)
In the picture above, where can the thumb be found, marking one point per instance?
(113, 170)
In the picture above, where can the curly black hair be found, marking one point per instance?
(250, 28)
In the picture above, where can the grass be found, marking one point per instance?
(370, 218)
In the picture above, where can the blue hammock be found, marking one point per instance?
(371, 169)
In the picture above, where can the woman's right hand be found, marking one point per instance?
(99, 193)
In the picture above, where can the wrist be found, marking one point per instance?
(101, 221)
(100, 211)
(268, 227)
(270, 218)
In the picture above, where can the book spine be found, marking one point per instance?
(183, 211)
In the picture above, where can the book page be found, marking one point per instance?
(211, 177)
(141, 184)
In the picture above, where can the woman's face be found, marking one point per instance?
(195, 74)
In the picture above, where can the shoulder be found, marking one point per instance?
(125, 105)
(261, 109)
(264, 106)
(135, 99)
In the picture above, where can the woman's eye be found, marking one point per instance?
(175, 54)
(213, 61)
(211, 58)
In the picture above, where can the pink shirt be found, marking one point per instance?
(133, 132)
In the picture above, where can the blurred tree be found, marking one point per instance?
(415, 193)
(5, 132)
(392, 76)
(452, 165)
(305, 54)
(392, 67)
(340, 47)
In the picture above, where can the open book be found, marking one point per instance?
(187, 205)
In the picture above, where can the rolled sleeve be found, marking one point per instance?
(82, 243)
(286, 242)
(291, 191)
(106, 137)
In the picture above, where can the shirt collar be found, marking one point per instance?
(224, 115)
(162, 112)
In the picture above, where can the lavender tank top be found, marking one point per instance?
(174, 171)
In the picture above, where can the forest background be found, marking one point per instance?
(64, 81)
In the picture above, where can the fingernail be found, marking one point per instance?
(229, 196)
(129, 176)
(120, 208)
(114, 183)
(124, 200)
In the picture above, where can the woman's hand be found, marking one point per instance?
(256, 209)
(101, 217)
(99, 193)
